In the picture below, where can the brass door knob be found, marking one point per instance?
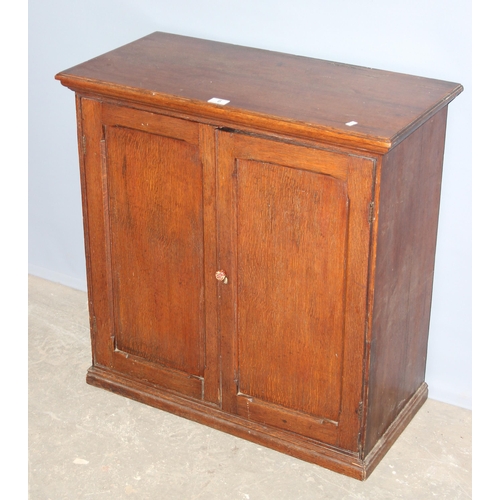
(221, 276)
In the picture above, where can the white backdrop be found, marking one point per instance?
(426, 38)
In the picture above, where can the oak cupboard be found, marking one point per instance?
(260, 231)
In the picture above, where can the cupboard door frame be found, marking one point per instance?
(95, 120)
(358, 174)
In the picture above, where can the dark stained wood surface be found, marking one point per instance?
(180, 72)
(408, 212)
(143, 199)
(156, 240)
(292, 228)
(293, 236)
(316, 345)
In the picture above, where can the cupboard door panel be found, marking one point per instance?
(156, 235)
(291, 253)
(285, 225)
(151, 197)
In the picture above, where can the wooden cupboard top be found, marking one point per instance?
(267, 90)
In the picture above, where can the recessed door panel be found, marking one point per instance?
(144, 183)
(291, 262)
(293, 236)
(156, 235)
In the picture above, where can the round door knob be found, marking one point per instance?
(221, 276)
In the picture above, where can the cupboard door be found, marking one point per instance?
(147, 209)
(294, 236)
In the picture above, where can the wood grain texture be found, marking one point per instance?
(96, 236)
(292, 444)
(292, 234)
(315, 344)
(212, 368)
(294, 242)
(149, 216)
(269, 88)
(407, 230)
(156, 224)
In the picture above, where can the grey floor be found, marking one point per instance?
(87, 443)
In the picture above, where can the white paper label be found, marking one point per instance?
(216, 100)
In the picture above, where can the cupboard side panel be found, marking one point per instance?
(406, 244)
